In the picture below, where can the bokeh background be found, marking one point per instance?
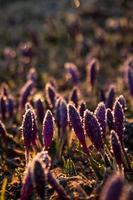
(64, 31)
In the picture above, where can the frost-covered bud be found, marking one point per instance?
(39, 109)
(74, 96)
(92, 68)
(50, 95)
(34, 128)
(63, 115)
(3, 100)
(3, 132)
(102, 96)
(57, 112)
(25, 93)
(93, 130)
(119, 120)
(110, 97)
(122, 101)
(39, 178)
(100, 113)
(27, 128)
(73, 72)
(48, 129)
(117, 150)
(130, 80)
(76, 124)
(27, 188)
(113, 187)
(32, 75)
(110, 120)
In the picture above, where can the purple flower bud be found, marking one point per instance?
(81, 109)
(50, 95)
(48, 129)
(27, 188)
(27, 128)
(3, 132)
(74, 96)
(119, 120)
(130, 80)
(39, 109)
(34, 128)
(73, 72)
(122, 101)
(33, 135)
(110, 120)
(113, 187)
(25, 93)
(92, 68)
(32, 75)
(102, 96)
(110, 97)
(4, 90)
(93, 130)
(26, 49)
(117, 150)
(57, 112)
(100, 113)
(3, 107)
(39, 178)
(63, 115)
(76, 124)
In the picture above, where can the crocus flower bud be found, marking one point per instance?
(3, 132)
(50, 95)
(113, 187)
(73, 72)
(39, 109)
(48, 129)
(34, 127)
(27, 188)
(63, 115)
(130, 80)
(74, 96)
(25, 93)
(76, 124)
(119, 120)
(100, 113)
(57, 112)
(110, 120)
(122, 101)
(39, 178)
(102, 96)
(32, 75)
(110, 97)
(27, 128)
(81, 109)
(3, 107)
(116, 146)
(92, 68)
(93, 130)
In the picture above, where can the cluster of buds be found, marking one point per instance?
(38, 176)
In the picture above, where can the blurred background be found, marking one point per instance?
(47, 33)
